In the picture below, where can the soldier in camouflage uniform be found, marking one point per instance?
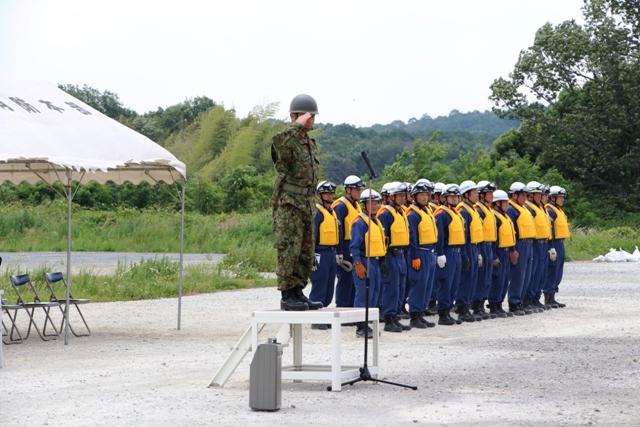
(295, 157)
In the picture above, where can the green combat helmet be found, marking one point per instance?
(303, 104)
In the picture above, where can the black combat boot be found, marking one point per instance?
(548, 300)
(464, 314)
(445, 319)
(291, 302)
(516, 309)
(493, 309)
(479, 309)
(404, 327)
(390, 326)
(475, 313)
(427, 323)
(537, 303)
(362, 329)
(416, 322)
(560, 305)
(313, 305)
(526, 309)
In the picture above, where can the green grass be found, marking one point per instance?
(146, 280)
(587, 243)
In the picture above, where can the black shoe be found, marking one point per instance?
(495, 312)
(427, 323)
(549, 301)
(362, 329)
(432, 310)
(478, 310)
(537, 303)
(390, 326)
(465, 316)
(396, 320)
(291, 302)
(445, 319)
(516, 309)
(416, 322)
(526, 309)
(320, 326)
(560, 305)
(313, 305)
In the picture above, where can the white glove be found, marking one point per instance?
(339, 259)
(553, 255)
(480, 264)
(442, 261)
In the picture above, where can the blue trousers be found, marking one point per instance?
(419, 283)
(395, 274)
(541, 258)
(375, 282)
(324, 278)
(484, 272)
(403, 293)
(555, 269)
(469, 278)
(448, 278)
(521, 272)
(500, 277)
(344, 288)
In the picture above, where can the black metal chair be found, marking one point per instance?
(54, 280)
(21, 282)
(10, 333)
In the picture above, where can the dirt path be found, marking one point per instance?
(575, 366)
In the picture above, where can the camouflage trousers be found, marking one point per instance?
(293, 229)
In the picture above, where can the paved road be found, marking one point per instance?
(96, 262)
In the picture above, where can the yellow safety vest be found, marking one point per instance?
(352, 215)
(506, 231)
(433, 207)
(542, 221)
(456, 226)
(488, 224)
(376, 231)
(406, 209)
(526, 226)
(561, 223)
(399, 228)
(328, 232)
(476, 233)
(427, 229)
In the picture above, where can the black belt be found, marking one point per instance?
(396, 251)
(541, 240)
(326, 248)
(429, 248)
(525, 240)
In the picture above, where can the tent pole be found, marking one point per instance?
(181, 272)
(66, 309)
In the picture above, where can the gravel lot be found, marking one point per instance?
(574, 366)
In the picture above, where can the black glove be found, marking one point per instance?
(466, 263)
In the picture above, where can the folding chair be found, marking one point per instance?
(53, 280)
(7, 308)
(23, 281)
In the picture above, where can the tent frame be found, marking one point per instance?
(69, 194)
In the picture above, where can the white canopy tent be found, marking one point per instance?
(47, 135)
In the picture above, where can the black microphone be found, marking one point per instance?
(366, 160)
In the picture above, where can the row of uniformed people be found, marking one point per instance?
(437, 247)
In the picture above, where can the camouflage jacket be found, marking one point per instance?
(295, 157)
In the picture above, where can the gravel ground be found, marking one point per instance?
(573, 366)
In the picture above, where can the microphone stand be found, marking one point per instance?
(365, 375)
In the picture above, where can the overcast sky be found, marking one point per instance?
(365, 62)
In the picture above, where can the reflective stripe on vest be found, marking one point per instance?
(328, 231)
(399, 228)
(542, 221)
(376, 231)
(352, 215)
(490, 233)
(560, 224)
(456, 226)
(476, 233)
(506, 231)
(427, 230)
(526, 226)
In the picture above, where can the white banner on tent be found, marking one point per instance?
(42, 126)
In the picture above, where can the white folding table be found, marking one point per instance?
(336, 317)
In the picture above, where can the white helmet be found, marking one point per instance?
(326, 187)
(353, 181)
(517, 187)
(533, 187)
(364, 196)
(438, 188)
(467, 186)
(385, 188)
(397, 188)
(486, 186)
(556, 190)
(451, 190)
(500, 195)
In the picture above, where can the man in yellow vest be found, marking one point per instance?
(423, 236)
(521, 258)
(435, 202)
(451, 240)
(347, 210)
(367, 244)
(484, 207)
(394, 271)
(501, 263)
(326, 230)
(559, 233)
(471, 257)
(540, 245)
